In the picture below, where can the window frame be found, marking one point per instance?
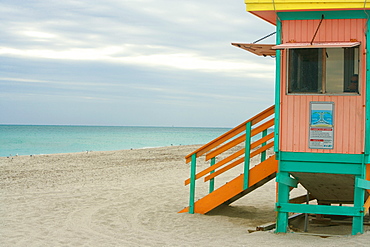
(323, 72)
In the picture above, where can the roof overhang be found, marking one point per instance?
(258, 49)
(315, 45)
(267, 9)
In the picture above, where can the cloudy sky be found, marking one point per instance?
(131, 63)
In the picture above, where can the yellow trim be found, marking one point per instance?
(268, 5)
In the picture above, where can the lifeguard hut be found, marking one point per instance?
(319, 128)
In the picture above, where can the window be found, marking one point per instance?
(323, 70)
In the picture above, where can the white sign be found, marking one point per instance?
(321, 132)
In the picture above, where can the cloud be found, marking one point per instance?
(113, 53)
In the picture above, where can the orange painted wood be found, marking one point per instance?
(367, 203)
(263, 127)
(225, 147)
(224, 169)
(216, 165)
(231, 133)
(262, 149)
(234, 187)
(237, 162)
(349, 112)
(239, 140)
(262, 140)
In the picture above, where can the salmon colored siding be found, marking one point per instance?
(349, 111)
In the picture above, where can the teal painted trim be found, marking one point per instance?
(357, 225)
(321, 167)
(367, 121)
(287, 181)
(247, 154)
(358, 201)
(319, 209)
(212, 181)
(263, 154)
(322, 157)
(283, 197)
(316, 15)
(277, 89)
(362, 184)
(192, 183)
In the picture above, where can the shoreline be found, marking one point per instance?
(91, 151)
(129, 198)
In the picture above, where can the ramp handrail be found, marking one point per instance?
(243, 133)
(231, 133)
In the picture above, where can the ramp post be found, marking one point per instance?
(263, 154)
(248, 130)
(212, 181)
(192, 183)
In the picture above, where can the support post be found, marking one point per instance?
(263, 154)
(283, 197)
(212, 181)
(247, 153)
(358, 201)
(192, 183)
(277, 88)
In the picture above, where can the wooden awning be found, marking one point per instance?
(258, 49)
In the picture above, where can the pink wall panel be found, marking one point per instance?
(349, 111)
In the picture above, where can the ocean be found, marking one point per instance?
(50, 139)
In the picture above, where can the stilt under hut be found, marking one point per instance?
(319, 127)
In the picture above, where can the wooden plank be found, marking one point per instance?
(319, 209)
(237, 162)
(262, 140)
(240, 139)
(217, 165)
(225, 147)
(272, 225)
(224, 169)
(262, 149)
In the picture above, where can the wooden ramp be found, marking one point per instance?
(233, 190)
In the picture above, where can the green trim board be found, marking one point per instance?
(362, 184)
(367, 121)
(277, 90)
(317, 15)
(322, 157)
(319, 209)
(321, 167)
(331, 163)
(291, 182)
(283, 197)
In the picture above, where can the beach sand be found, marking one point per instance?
(130, 198)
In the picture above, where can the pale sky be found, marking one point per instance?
(132, 63)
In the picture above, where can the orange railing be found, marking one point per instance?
(253, 133)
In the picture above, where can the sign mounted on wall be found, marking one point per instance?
(321, 132)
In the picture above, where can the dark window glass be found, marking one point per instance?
(323, 70)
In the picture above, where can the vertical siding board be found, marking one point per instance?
(339, 127)
(334, 31)
(296, 125)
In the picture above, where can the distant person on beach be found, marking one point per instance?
(353, 85)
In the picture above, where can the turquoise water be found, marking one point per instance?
(45, 139)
